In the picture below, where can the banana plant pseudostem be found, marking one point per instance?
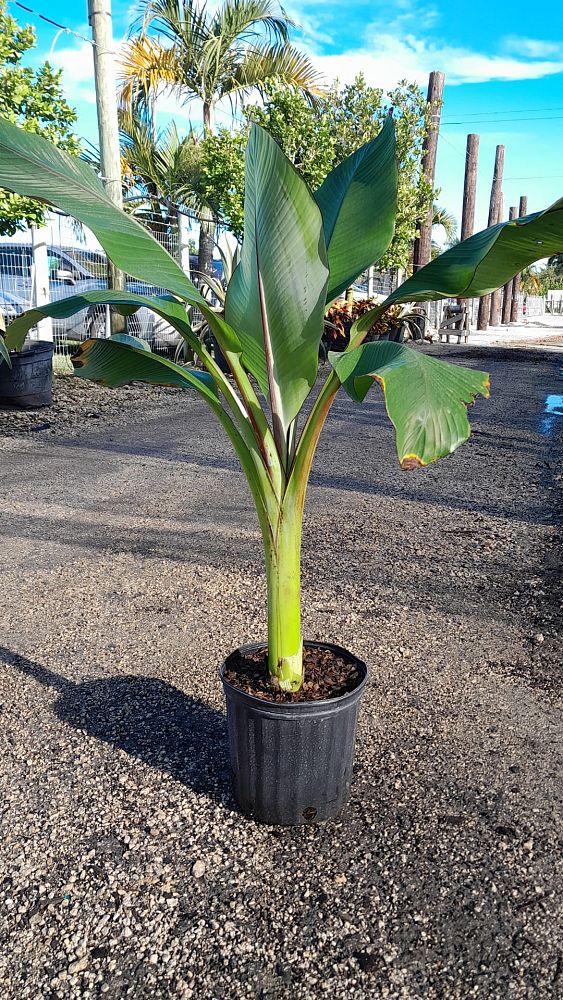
(300, 251)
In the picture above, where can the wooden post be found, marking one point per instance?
(495, 201)
(522, 209)
(496, 296)
(422, 253)
(507, 291)
(468, 208)
(469, 186)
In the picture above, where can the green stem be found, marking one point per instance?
(283, 554)
(283, 571)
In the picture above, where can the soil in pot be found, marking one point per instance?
(326, 676)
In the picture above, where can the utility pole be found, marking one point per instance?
(423, 243)
(522, 209)
(494, 208)
(508, 288)
(494, 318)
(99, 17)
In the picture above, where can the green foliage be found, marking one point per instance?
(222, 176)
(538, 281)
(33, 99)
(281, 321)
(161, 173)
(359, 196)
(211, 52)
(414, 384)
(304, 132)
(316, 138)
(340, 319)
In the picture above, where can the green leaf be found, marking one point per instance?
(276, 297)
(358, 202)
(4, 352)
(113, 363)
(487, 260)
(127, 338)
(32, 166)
(426, 398)
(126, 302)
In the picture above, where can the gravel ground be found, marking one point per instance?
(79, 405)
(132, 566)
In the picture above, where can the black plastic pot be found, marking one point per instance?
(29, 381)
(291, 763)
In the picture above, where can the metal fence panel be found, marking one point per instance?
(76, 263)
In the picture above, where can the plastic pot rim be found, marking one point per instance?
(312, 705)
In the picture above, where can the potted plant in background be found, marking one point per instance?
(398, 323)
(292, 706)
(27, 375)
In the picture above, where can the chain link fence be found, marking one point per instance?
(65, 259)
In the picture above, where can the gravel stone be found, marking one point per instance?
(131, 566)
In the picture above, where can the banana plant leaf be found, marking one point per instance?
(426, 399)
(124, 302)
(112, 362)
(32, 166)
(276, 297)
(358, 202)
(487, 260)
(131, 341)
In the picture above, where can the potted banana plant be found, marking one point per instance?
(291, 705)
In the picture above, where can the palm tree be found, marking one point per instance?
(160, 172)
(448, 224)
(209, 56)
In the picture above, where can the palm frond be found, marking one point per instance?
(240, 47)
(145, 69)
(243, 21)
(267, 64)
(447, 221)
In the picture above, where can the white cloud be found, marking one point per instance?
(385, 57)
(77, 63)
(532, 48)
(388, 58)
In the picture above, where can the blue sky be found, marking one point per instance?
(504, 76)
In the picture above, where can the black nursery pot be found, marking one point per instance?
(29, 381)
(291, 763)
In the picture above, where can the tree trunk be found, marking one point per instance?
(206, 221)
(206, 242)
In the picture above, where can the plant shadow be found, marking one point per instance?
(148, 718)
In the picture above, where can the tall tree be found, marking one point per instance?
(33, 99)
(209, 55)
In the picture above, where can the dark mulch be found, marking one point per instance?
(326, 676)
